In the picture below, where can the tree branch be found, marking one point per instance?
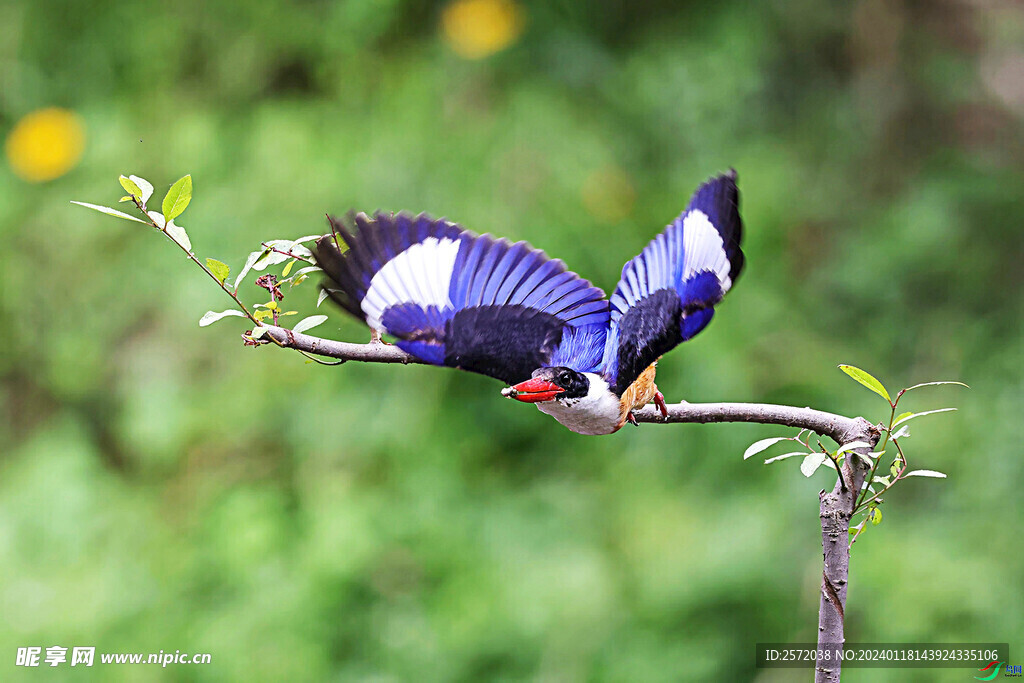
(835, 510)
(836, 507)
(376, 352)
(838, 428)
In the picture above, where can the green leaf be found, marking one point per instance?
(288, 268)
(906, 417)
(867, 380)
(811, 463)
(925, 473)
(784, 456)
(850, 446)
(932, 384)
(292, 247)
(903, 431)
(130, 186)
(269, 257)
(866, 459)
(177, 198)
(259, 331)
(211, 317)
(309, 323)
(126, 198)
(763, 444)
(219, 269)
(178, 234)
(895, 468)
(279, 251)
(253, 258)
(157, 218)
(302, 274)
(144, 185)
(320, 297)
(876, 516)
(884, 481)
(110, 212)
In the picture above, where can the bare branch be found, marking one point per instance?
(837, 427)
(376, 352)
(840, 429)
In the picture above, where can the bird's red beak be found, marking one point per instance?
(533, 391)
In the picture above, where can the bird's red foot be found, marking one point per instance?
(631, 419)
(659, 400)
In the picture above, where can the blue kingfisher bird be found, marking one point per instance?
(453, 298)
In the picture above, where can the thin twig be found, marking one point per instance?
(288, 253)
(192, 257)
(835, 461)
(861, 495)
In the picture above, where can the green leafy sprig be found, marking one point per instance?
(271, 253)
(869, 498)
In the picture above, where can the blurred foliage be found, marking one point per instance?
(162, 487)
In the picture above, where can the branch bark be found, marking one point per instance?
(836, 506)
(376, 352)
(836, 509)
(837, 427)
(840, 429)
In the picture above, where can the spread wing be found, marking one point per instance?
(667, 294)
(453, 298)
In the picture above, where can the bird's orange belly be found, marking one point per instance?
(638, 394)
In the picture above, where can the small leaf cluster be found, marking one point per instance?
(271, 253)
(869, 499)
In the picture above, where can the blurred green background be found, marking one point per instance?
(163, 488)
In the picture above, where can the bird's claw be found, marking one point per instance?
(631, 419)
(659, 400)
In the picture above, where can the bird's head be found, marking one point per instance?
(549, 384)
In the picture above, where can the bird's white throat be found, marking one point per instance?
(598, 412)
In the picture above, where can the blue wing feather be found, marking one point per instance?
(463, 278)
(453, 298)
(668, 292)
(502, 271)
(529, 262)
(547, 269)
(484, 271)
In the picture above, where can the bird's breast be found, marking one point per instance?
(596, 413)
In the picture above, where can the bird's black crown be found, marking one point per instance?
(574, 384)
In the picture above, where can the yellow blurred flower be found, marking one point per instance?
(608, 195)
(45, 144)
(475, 29)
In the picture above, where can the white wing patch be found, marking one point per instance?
(419, 275)
(703, 249)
